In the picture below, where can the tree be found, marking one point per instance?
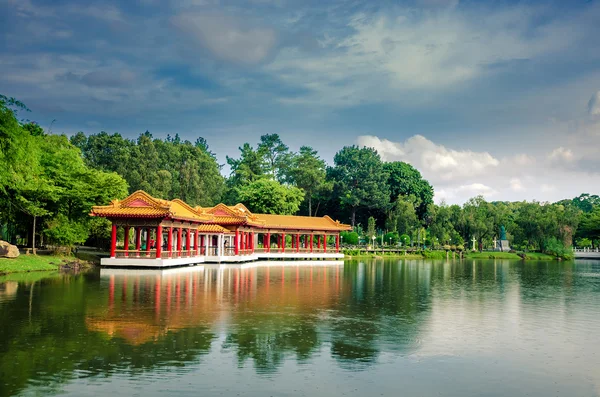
(405, 180)
(267, 196)
(371, 231)
(360, 179)
(248, 168)
(308, 173)
(276, 156)
(402, 217)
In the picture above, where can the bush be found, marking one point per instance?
(405, 240)
(556, 248)
(391, 237)
(350, 238)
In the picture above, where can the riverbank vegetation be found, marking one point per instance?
(30, 263)
(48, 183)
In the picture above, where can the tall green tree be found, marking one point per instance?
(405, 180)
(360, 180)
(308, 172)
(276, 156)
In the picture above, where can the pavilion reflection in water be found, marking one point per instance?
(143, 305)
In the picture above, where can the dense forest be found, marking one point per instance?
(49, 182)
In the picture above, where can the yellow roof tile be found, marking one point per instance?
(141, 204)
(301, 222)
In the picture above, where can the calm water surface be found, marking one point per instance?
(361, 328)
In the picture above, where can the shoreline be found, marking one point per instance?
(441, 255)
(39, 263)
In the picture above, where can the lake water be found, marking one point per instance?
(359, 328)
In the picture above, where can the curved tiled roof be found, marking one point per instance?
(294, 222)
(141, 205)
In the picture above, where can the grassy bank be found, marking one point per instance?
(442, 255)
(37, 263)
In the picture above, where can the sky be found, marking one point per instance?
(492, 98)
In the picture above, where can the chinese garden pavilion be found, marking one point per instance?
(160, 233)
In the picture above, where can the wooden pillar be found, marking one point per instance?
(113, 242)
(147, 241)
(282, 242)
(311, 242)
(197, 242)
(158, 241)
(337, 242)
(188, 242)
(268, 243)
(236, 242)
(324, 243)
(179, 238)
(298, 242)
(319, 241)
(170, 242)
(202, 248)
(138, 241)
(126, 243)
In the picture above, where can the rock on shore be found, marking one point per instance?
(8, 250)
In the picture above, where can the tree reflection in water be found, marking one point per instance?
(133, 322)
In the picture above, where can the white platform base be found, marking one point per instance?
(163, 263)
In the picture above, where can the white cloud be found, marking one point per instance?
(404, 55)
(561, 155)
(226, 37)
(594, 104)
(436, 162)
(516, 185)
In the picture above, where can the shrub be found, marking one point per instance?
(350, 238)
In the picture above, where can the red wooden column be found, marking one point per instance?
(282, 242)
(319, 241)
(113, 242)
(202, 245)
(311, 242)
(138, 241)
(188, 241)
(324, 243)
(147, 241)
(242, 243)
(158, 241)
(267, 245)
(297, 242)
(179, 241)
(337, 242)
(197, 242)
(170, 242)
(126, 243)
(236, 243)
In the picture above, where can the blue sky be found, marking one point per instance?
(494, 98)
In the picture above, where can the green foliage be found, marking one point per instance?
(405, 239)
(276, 156)
(556, 248)
(583, 243)
(391, 238)
(45, 179)
(268, 196)
(350, 238)
(360, 180)
(371, 228)
(404, 180)
(307, 172)
(62, 231)
(169, 168)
